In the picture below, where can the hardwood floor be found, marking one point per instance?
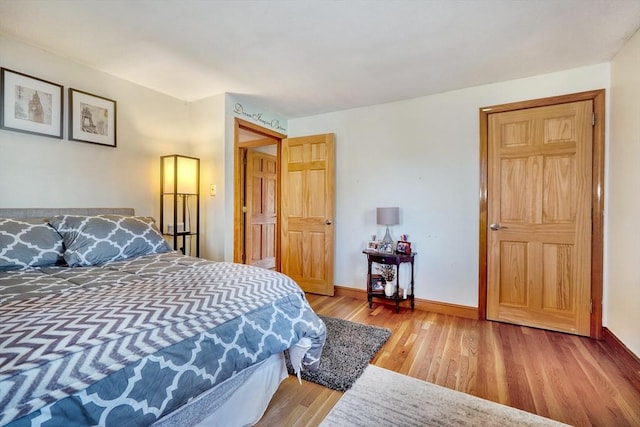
(575, 380)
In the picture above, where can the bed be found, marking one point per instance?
(102, 324)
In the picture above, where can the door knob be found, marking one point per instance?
(328, 222)
(496, 227)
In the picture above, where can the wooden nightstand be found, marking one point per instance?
(389, 259)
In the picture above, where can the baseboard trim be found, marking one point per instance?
(622, 354)
(419, 304)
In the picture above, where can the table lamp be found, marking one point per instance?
(387, 216)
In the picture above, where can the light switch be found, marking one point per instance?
(212, 190)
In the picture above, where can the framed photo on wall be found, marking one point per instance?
(92, 118)
(30, 105)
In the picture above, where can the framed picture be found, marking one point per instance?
(377, 283)
(385, 247)
(372, 245)
(403, 247)
(30, 105)
(92, 118)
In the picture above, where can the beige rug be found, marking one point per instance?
(385, 398)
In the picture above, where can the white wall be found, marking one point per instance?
(207, 140)
(423, 155)
(38, 171)
(623, 243)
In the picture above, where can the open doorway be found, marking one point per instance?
(257, 195)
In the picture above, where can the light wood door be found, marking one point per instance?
(539, 216)
(261, 205)
(307, 229)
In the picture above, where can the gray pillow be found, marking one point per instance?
(28, 243)
(94, 240)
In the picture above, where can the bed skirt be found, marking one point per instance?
(239, 401)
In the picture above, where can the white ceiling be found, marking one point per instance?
(299, 58)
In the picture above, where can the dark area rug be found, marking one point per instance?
(347, 352)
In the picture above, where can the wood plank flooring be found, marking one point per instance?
(575, 380)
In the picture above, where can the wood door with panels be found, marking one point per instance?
(539, 202)
(261, 205)
(307, 229)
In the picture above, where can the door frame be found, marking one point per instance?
(239, 150)
(597, 196)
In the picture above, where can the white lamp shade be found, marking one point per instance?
(388, 216)
(186, 169)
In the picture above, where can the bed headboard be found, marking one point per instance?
(49, 212)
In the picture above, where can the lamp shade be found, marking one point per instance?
(388, 216)
(180, 174)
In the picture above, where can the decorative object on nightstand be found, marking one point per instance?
(180, 202)
(377, 283)
(388, 273)
(387, 216)
(372, 245)
(403, 247)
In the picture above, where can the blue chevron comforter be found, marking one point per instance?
(130, 341)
